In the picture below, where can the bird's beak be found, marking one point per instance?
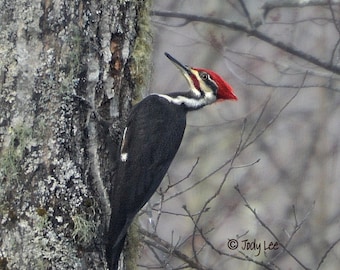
(183, 68)
(188, 73)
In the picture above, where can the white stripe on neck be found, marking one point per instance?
(190, 103)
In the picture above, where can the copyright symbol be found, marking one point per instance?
(232, 244)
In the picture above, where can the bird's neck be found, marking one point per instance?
(189, 100)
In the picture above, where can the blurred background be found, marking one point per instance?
(278, 144)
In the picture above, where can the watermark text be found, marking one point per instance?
(252, 245)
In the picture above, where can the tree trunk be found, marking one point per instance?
(70, 71)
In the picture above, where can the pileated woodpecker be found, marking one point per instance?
(150, 141)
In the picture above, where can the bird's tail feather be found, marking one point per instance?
(113, 252)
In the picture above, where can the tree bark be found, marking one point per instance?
(70, 71)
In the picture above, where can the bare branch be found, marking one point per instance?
(297, 227)
(335, 49)
(244, 7)
(184, 178)
(248, 141)
(251, 32)
(268, 6)
(200, 181)
(166, 247)
(218, 251)
(337, 27)
(335, 21)
(263, 83)
(326, 253)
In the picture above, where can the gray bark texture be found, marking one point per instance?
(69, 72)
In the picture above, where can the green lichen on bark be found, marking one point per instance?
(11, 172)
(85, 229)
(133, 245)
(13, 154)
(141, 56)
(39, 204)
(54, 75)
(42, 157)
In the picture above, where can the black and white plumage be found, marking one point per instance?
(152, 136)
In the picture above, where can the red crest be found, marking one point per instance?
(224, 91)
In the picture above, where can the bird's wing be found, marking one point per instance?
(153, 135)
(151, 139)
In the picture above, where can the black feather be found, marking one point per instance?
(154, 133)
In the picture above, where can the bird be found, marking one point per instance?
(151, 138)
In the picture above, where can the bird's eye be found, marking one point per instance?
(204, 75)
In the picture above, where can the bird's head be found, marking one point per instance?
(205, 83)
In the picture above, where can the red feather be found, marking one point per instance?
(224, 91)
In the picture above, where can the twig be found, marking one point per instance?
(248, 141)
(264, 225)
(297, 227)
(244, 7)
(218, 251)
(199, 181)
(250, 259)
(335, 21)
(165, 246)
(268, 6)
(297, 224)
(337, 27)
(326, 253)
(186, 177)
(264, 107)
